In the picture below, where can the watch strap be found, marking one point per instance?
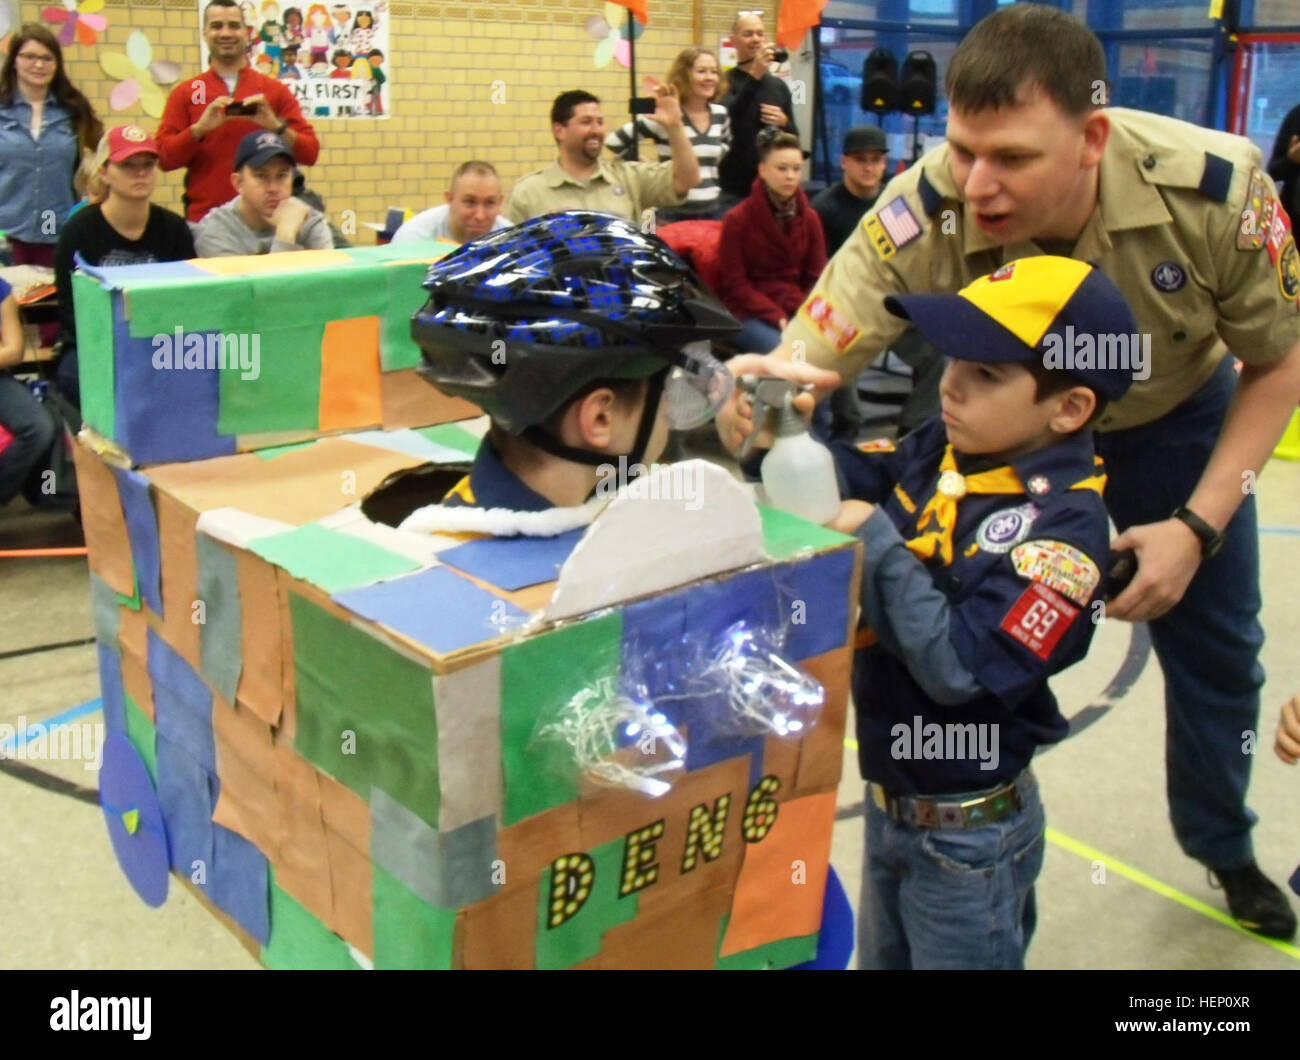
(1210, 538)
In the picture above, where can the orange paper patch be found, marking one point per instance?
(349, 380)
(783, 880)
(247, 265)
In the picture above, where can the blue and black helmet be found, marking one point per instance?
(520, 321)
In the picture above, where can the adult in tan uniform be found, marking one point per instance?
(579, 179)
(1188, 225)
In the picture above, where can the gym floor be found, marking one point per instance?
(1115, 892)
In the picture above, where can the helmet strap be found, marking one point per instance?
(547, 442)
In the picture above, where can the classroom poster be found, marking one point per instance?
(334, 56)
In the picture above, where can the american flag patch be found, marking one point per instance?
(899, 222)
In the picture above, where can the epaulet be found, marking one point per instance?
(1216, 179)
(931, 197)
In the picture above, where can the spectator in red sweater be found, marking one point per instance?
(199, 128)
(772, 248)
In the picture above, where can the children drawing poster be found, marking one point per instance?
(334, 56)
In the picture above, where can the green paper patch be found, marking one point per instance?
(285, 396)
(409, 932)
(786, 535)
(143, 736)
(93, 310)
(539, 676)
(579, 937)
(329, 559)
(784, 953)
(272, 451)
(347, 681)
(453, 437)
(132, 602)
(211, 303)
(300, 941)
(406, 296)
(300, 299)
(431, 249)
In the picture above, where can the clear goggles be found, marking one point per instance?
(696, 388)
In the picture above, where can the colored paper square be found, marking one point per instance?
(772, 901)
(299, 940)
(450, 869)
(142, 532)
(309, 296)
(331, 560)
(93, 310)
(822, 586)
(250, 264)
(406, 297)
(465, 615)
(105, 526)
(539, 677)
(103, 608)
(453, 436)
(185, 792)
(784, 953)
(413, 443)
(786, 535)
(578, 938)
(140, 731)
(191, 302)
(219, 633)
(163, 414)
(409, 932)
(182, 703)
(349, 384)
(512, 563)
(238, 882)
(285, 395)
(110, 685)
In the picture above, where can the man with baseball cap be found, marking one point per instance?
(119, 226)
(264, 217)
(843, 204)
(985, 545)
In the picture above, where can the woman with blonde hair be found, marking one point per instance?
(119, 226)
(696, 76)
(46, 126)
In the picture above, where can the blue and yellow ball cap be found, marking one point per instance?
(1065, 314)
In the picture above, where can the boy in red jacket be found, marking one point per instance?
(772, 248)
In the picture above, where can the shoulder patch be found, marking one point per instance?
(1059, 566)
(1038, 620)
(877, 445)
(892, 227)
(1216, 178)
(834, 326)
(1256, 215)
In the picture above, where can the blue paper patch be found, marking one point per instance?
(240, 882)
(185, 792)
(436, 608)
(142, 533)
(182, 703)
(817, 593)
(512, 563)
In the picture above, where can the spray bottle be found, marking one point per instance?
(798, 472)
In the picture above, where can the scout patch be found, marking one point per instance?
(1002, 531)
(876, 445)
(1039, 619)
(892, 227)
(1168, 277)
(837, 329)
(1003, 272)
(1254, 223)
(1278, 232)
(1288, 271)
(1058, 566)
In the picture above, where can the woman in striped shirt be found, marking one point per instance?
(696, 76)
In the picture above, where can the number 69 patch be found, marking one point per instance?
(1039, 619)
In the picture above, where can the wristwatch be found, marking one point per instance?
(1211, 539)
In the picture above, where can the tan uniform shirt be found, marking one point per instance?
(617, 187)
(1185, 225)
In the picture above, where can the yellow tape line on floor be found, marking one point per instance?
(1152, 884)
(1139, 877)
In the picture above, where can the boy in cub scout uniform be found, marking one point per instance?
(1188, 225)
(984, 537)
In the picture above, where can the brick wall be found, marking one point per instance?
(443, 61)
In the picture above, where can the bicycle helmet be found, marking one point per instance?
(520, 321)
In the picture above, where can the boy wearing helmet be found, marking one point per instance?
(584, 339)
(985, 543)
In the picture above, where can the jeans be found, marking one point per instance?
(756, 336)
(33, 431)
(1208, 645)
(950, 898)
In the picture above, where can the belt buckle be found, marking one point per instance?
(878, 797)
(975, 812)
(927, 813)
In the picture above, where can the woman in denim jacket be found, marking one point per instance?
(46, 126)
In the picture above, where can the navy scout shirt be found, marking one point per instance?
(974, 640)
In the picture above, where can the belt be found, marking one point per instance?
(973, 811)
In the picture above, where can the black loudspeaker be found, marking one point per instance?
(916, 91)
(880, 82)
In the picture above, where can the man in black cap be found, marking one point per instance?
(263, 217)
(842, 205)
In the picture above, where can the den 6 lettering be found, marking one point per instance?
(573, 876)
